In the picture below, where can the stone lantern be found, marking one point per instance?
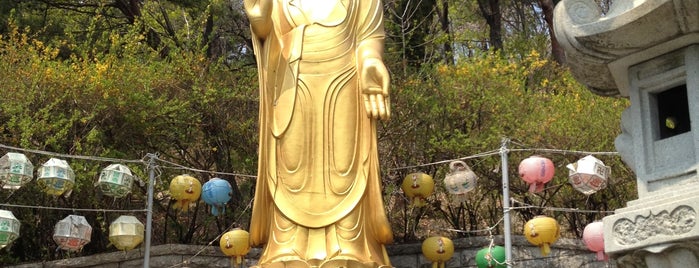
(647, 51)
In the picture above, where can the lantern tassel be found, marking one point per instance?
(214, 210)
(536, 187)
(419, 202)
(601, 256)
(545, 249)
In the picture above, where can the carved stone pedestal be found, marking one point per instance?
(648, 51)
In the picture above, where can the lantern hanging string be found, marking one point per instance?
(188, 260)
(181, 167)
(82, 157)
(488, 229)
(75, 209)
(529, 206)
(498, 151)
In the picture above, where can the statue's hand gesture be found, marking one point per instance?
(374, 80)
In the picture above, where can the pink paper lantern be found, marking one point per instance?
(536, 171)
(593, 237)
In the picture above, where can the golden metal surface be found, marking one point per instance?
(323, 85)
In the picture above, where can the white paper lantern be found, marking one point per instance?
(115, 180)
(126, 232)
(72, 233)
(15, 171)
(56, 177)
(460, 180)
(9, 228)
(588, 175)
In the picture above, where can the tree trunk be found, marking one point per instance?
(490, 9)
(447, 50)
(556, 50)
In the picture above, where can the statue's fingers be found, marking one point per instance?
(382, 106)
(367, 105)
(388, 107)
(374, 106)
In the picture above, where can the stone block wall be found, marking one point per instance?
(564, 253)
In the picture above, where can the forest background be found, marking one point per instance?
(126, 78)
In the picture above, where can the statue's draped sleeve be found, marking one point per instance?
(261, 214)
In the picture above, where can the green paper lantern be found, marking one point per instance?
(56, 177)
(491, 257)
(9, 228)
(15, 171)
(115, 180)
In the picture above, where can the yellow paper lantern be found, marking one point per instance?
(417, 187)
(56, 177)
(236, 244)
(126, 232)
(438, 249)
(186, 190)
(542, 231)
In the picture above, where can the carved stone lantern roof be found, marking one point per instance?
(601, 47)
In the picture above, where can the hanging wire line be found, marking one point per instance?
(489, 229)
(188, 260)
(498, 151)
(559, 151)
(82, 157)
(528, 206)
(75, 209)
(181, 167)
(485, 154)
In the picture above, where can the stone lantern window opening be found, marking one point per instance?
(673, 112)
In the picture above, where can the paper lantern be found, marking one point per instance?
(126, 232)
(9, 228)
(186, 190)
(236, 244)
(588, 175)
(438, 250)
(216, 193)
(491, 257)
(72, 233)
(536, 171)
(593, 237)
(115, 180)
(460, 180)
(56, 177)
(542, 231)
(15, 171)
(417, 187)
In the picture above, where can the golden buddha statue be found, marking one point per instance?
(323, 85)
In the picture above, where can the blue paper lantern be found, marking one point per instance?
(216, 193)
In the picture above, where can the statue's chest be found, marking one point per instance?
(308, 12)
